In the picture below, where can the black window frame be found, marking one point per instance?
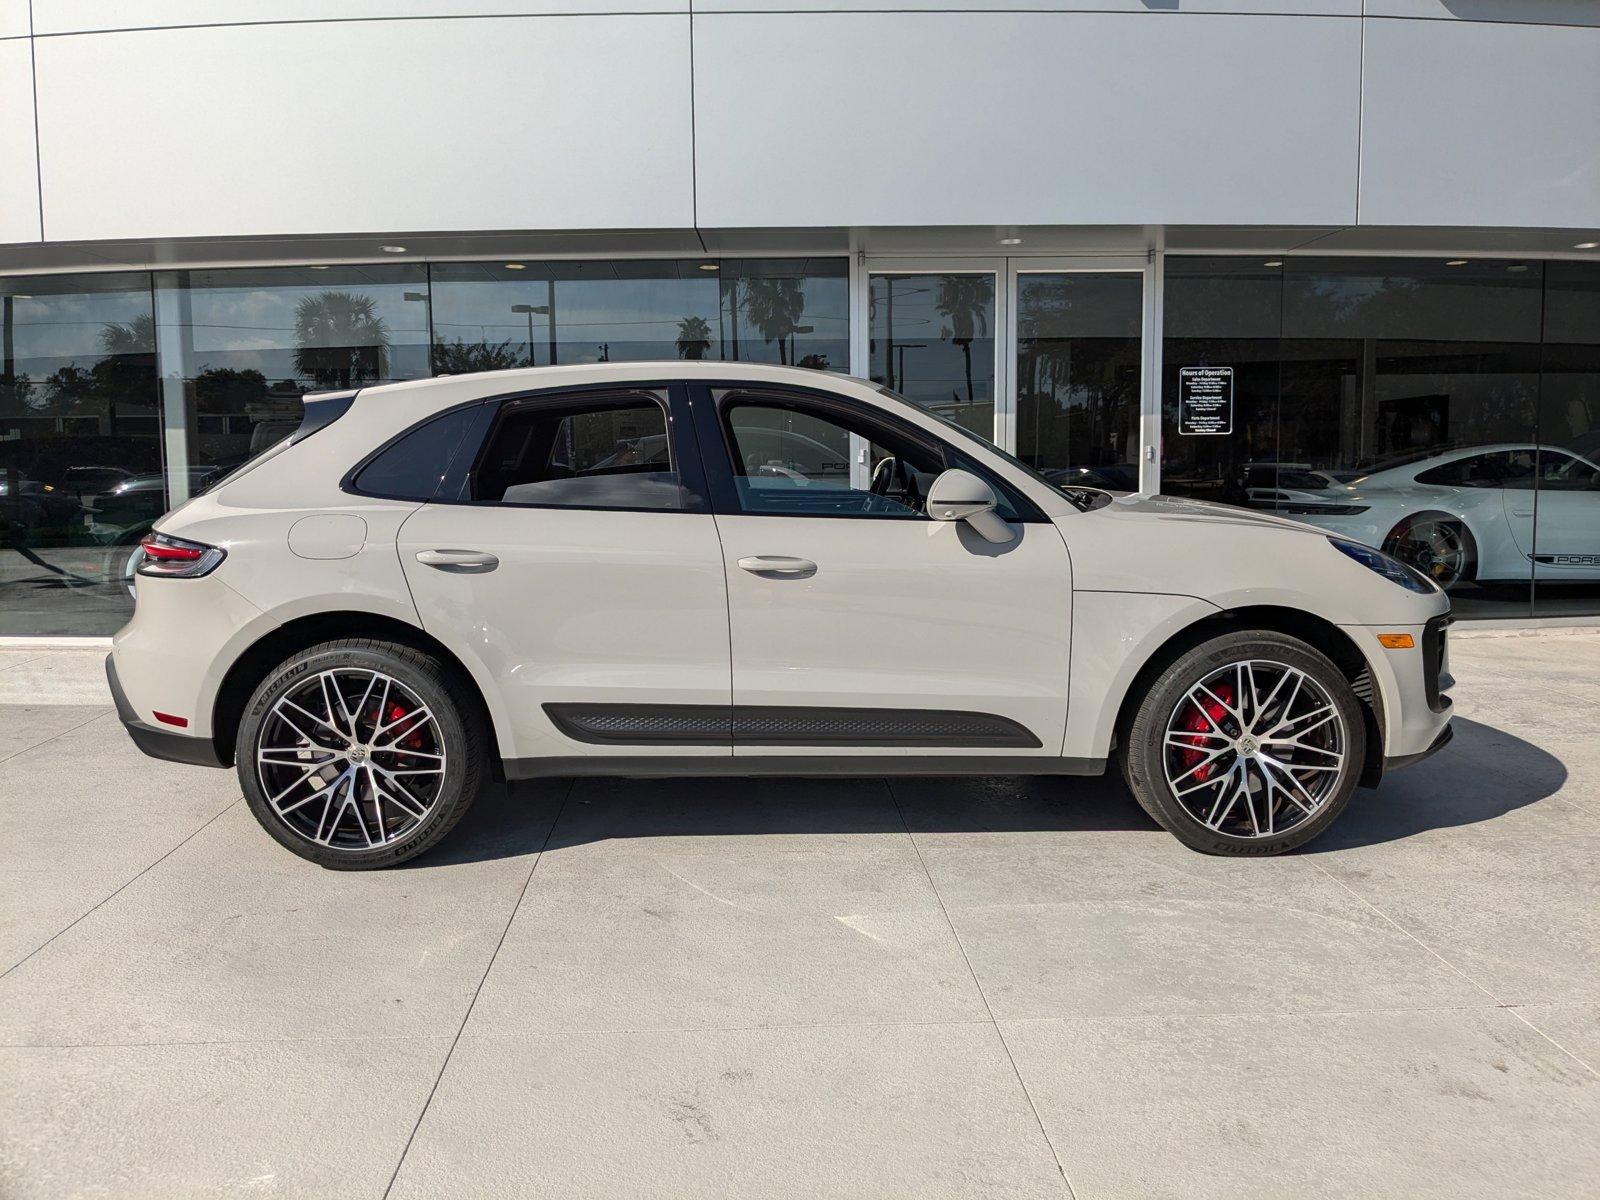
(668, 395)
(718, 452)
(453, 467)
(681, 441)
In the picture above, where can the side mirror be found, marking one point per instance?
(961, 496)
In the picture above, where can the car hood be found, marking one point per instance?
(1180, 510)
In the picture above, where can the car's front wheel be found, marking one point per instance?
(1250, 743)
(358, 754)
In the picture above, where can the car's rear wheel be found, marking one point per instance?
(358, 754)
(1438, 546)
(1251, 743)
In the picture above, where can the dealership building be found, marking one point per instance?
(1334, 258)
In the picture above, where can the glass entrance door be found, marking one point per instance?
(1040, 355)
(934, 334)
(1076, 381)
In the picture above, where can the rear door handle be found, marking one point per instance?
(777, 564)
(463, 559)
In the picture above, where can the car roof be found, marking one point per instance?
(650, 370)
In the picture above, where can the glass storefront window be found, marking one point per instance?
(1566, 532)
(79, 430)
(933, 342)
(1375, 398)
(488, 316)
(1078, 376)
(239, 348)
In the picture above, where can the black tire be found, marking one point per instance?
(1416, 540)
(1145, 743)
(458, 720)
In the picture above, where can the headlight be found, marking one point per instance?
(1391, 569)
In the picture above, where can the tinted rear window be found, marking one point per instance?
(414, 467)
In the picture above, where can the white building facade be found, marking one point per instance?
(1251, 250)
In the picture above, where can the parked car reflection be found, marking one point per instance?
(1466, 514)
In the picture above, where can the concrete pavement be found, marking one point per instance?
(848, 988)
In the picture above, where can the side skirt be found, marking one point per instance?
(789, 765)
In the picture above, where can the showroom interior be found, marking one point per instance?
(122, 393)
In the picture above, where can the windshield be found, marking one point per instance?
(1079, 496)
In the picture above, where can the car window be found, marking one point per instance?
(1559, 471)
(790, 453)
(589, 452)
(791, 457)
(413, 467)
(1501, 469)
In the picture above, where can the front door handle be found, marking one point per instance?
(777, 564)
(466, 560)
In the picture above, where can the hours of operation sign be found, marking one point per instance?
(1205, 401)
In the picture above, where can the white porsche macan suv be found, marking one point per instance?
(698, 569)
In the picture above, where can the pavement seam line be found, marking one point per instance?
(982, 996)
(477, 991)
(106, 900)
(98, 716)
(1498, 1003)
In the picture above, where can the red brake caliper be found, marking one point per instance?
(412, 741)
(1196, 721)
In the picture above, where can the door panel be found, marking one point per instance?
(582, 606)
(900, 614)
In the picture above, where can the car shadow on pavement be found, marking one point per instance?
(1484, 774)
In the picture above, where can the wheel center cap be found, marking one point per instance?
(1248, 746)
(356, 754)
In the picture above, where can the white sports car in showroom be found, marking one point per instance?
(1467, 513)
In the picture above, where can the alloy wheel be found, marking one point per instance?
(1436, 548)
(351, 759)
(1255, 749)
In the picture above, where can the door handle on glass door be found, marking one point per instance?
(470, 560)
(777, 564)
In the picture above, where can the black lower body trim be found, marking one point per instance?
(1405, 760)
(158, 743)
(799, 765)
(784, 725)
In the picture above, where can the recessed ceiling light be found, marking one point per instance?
(1274, 262)
(1456, 262)
(1012, 241)
(516, 266)
(316, 268)
(392, 249)
(1517, 267)
(708, 266)
(1587, 246)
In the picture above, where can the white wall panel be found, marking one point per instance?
(13, 18)
(1480, 124)
(19, 178)
(1153, 8)
(554, 123)
(1557, 12)
(79, 16)
(950, 118)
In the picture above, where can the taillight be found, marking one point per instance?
(177, 558)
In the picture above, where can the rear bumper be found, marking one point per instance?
(159, 743)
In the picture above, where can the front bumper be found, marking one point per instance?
(1397, 761)
(160, 743)
(1412, 708)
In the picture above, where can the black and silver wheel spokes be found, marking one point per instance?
(1254, 749)
(351, 759)
(1435, 548)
